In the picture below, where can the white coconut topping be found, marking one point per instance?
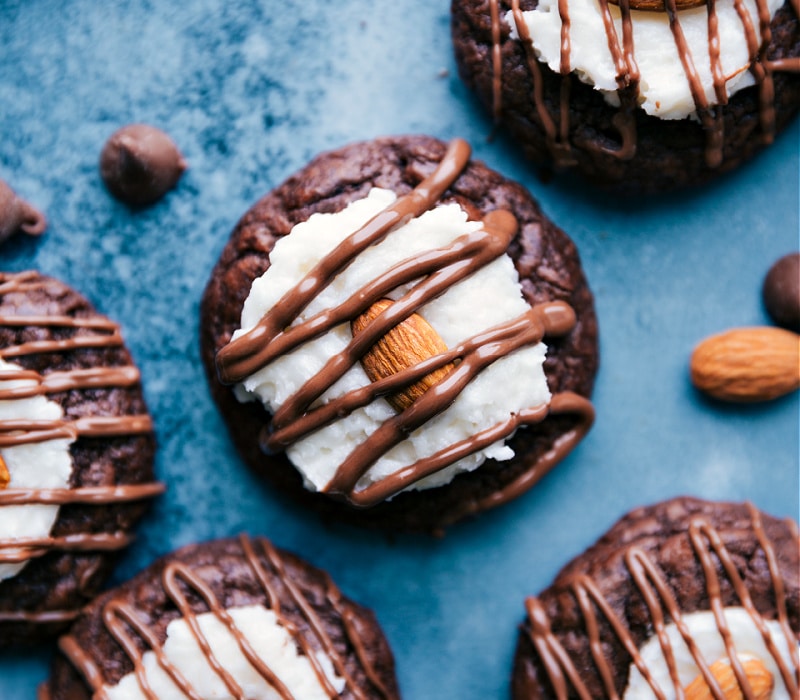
(271, 642)
(36, 465)
(487, 298)
(704, 630)
(665, 90)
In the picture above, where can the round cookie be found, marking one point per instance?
(242, 606)
(652, 128)
(542, 256)
(76, 454)
(669, 566)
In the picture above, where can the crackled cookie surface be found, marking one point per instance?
(394, 321)
(235, 618)
(76, 453)
(640, 96)
(683, 598)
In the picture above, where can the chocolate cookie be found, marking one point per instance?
(471, 271)
(76, 454)
(682, 595)
(231, 618)
(624, 96)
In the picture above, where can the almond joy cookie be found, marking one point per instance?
(373, 335)
(235, 618)
(76, 454)
(639, 95)
(683, 599)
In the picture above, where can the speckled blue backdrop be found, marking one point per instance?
(252, 90)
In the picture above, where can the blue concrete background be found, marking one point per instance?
(252, 90)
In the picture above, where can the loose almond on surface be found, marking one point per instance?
(405, 345)
(758, 676)
(747, 364)
(5, 477)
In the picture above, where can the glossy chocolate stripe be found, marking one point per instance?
(559, 151)
(558, 665)
(273, 602)
(44, 617)
(12, 281)
(82, 662)
(93, 495)
(22, 431)
(91, 322)
(113, 426)
(36, 347)
(793, 683)
(497, 62)
(565, 403)
(18, 549)
(54, 382)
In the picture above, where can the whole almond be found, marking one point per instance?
(5, 477)
(747, 364)
(404, 346)
(758, 676)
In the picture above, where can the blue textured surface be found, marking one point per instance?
(251, 91)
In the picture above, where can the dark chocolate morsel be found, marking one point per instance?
(781, 291)
(17, 215)
(140, 164)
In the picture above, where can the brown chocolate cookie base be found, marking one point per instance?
(669, 154)
(546, 260)
(48, 593)
(660, 531)
(228, 573)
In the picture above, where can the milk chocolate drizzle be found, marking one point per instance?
(652, 584)
(131, 630)
(623, 54)
(91, 332)
(438, 270)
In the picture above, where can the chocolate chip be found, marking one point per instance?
(17, 215)
(781, 291)
(140, 164)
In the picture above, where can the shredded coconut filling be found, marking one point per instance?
(271, 642)
(37, 465)
(485, 299)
